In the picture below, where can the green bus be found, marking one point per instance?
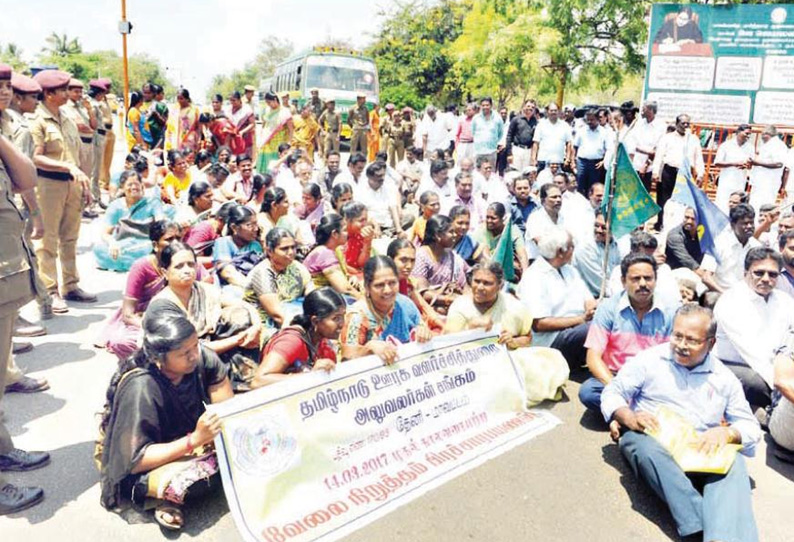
(337, 74)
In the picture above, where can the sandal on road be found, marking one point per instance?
(169, 516)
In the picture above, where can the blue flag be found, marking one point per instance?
(711, 221)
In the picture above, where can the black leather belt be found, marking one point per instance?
(54, 175)
(100, 131)
(86, 139)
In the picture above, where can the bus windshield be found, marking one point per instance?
(341, 73)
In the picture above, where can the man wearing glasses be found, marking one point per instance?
(670, 153)
(753, 318)
(685, 378)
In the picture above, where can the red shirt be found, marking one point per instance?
(289, 345)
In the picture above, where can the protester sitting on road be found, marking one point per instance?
(158, 434)
(429, 205)
(235, 254)
(202, 236)
(177, 182)
(360, 234)
(305, 345)
(466, 247)
(403, 252)
(384, 319)
(684, 378)
(340, 195)
(781, 420)
(439, 272)
(277, 285)
(558, 298)
(310, 212)
(487, 305)
(275, 211)
(588, 258)
(753, 318)
(732, 248)
(145, 279)
(197, 208)
(125, 237)
(490, 233)
(325, 263)
(229, 327)
(623, 326)
(666, 292)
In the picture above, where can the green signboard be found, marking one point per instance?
(724, 64)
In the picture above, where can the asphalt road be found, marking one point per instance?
(568, 484)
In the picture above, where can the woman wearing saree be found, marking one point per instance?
(305, 345)
(439, 272)
(275, 212)
(242, 117)
(467, 248)
(310, 212)
(137, 133)
(122, 334)
(276, 129)
(184, 130)
(157, 446)
(403, 253)
(230, 328)
(384, 318)
(323, 262)
(125, 237)
(235, 254)
(491, 232)
(277, 285)
(178, 180)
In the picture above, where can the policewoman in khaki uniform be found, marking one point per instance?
(110, 137)
(358, 119)
(96, 93)
(61, 185)
(17, 287)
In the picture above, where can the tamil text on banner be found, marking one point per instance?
(730, 63)
(322, 454)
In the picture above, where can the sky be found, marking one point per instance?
(193, 39)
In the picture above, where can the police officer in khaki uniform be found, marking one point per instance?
(109, 110)
(61, 185)
(316, 103)
(358, 120)
(331, 124)
(17, 287)
(96, 94)
(80, 111)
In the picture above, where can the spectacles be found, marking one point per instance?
(759, 273)
(687, 341)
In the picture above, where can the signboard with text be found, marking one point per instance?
(723, 64)
(322, 454)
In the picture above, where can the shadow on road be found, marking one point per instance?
(782, 468)
(593, 421)
(71, 323)
(642, 498)
(53, 354)
(70, 474)
(22, 409)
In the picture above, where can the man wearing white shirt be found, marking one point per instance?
(546, 218)
(552, 142)
(380, 198)
(560, 302)
(766, 177)
(591, 144)
(734, 157)
(752, 320)
(547, 175)
(731, 248)
(435, 130)
(643, 139)
(578, 212)
(464, 197)
(670, 153)
(439, 182)
(352, 175)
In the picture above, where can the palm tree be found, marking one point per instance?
(61, 45)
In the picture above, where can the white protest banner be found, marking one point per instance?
(322, 454)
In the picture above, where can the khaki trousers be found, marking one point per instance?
(104, 173)
(86, 158)
(6, 331)
(96, 170)
(61, 204)
(358, 142)
(396, 150)
(330, 143)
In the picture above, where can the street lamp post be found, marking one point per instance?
(125, 27)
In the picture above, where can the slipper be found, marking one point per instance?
(169, 516)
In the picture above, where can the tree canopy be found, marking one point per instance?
(271, 52)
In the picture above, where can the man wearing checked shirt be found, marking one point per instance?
(684, 378)
(623, 326)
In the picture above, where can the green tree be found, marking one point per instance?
(60, 45)
(11, 54)
(411, 50)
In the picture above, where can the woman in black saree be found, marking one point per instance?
(157, 445)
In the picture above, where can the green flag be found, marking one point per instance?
(632, 206)
(503, 254)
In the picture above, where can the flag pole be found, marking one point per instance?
(608, 217)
